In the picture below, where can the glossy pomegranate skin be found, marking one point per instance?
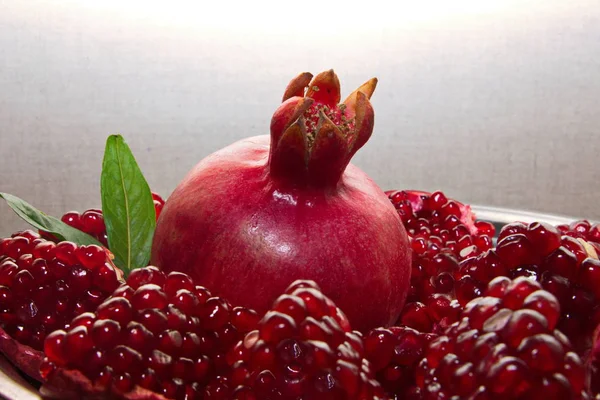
(237, 231)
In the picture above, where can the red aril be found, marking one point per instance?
(261, 213)
(146, 342)
(442, 232)
(303, 349)
(43, 286)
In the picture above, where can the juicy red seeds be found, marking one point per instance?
(442, 232)
(79, 344)
(141, 338)
(72, 218)
(516, 250)
(176, 281)
(503, 350)
(544, 237)
(124, 359)
(566, 266)
(146, 275)
(244, 319)
(589, 276)
(48, 285)
(91, 256)
(105, 333)
(394, 354)
(215, 313)
(92, 222)
(302, 347)
(66, 252)
(44, 250)
(149, 296)
(54, 349)
(546, 304)
(118, 309)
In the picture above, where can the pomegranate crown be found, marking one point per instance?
(313, 136)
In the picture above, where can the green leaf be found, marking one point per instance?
(40, 220)
(127, 206)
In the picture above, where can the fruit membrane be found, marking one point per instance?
(255, 216)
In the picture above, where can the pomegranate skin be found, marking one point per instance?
(247, 236)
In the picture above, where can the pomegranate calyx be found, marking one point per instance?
(325, 89)
(297, 85)
(365, 118)
(290, 156)
(287, 114)
(333, 131)
(367, 88)
(328, 156)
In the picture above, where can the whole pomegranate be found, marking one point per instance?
(257, 215)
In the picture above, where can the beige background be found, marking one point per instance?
(494, 102)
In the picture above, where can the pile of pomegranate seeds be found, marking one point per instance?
(43, 285)
(581, 229)
(506, 346)
(565, 266)
(394, 354)
(92, 221)
(158, 333)
(303, 349)
(442, 232)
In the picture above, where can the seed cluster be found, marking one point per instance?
(504, 347)
(565, 266)
(160, 333)
(442, 233)
(43, 284)
(394, 354)
(303, 349)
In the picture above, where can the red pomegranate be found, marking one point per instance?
(253, 217)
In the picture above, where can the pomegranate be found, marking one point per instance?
(255, 216)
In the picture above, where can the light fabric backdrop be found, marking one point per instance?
(494, 102)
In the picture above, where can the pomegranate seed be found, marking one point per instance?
(72, 218)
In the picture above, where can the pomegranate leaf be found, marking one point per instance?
(127, 206)
(42, 221)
